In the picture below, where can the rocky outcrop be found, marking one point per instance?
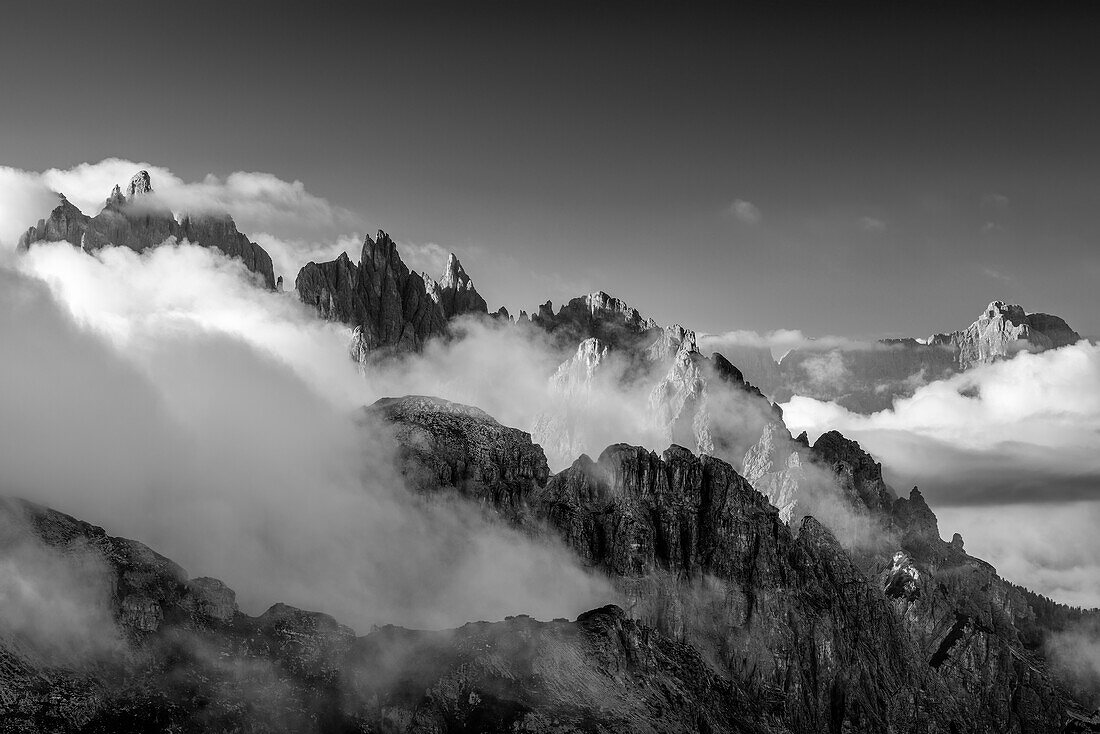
(908, 633)
(567, 428)
(599, 316)
(193, 662)
(390, 309)
(774, 465)
(707, 404)
(389, 304)
(455, 292)
(1004, 329)
(138, 220)
(445, 444)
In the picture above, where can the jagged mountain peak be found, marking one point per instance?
(116, 197)
(139, 185)
(454, 275)
(123, 226)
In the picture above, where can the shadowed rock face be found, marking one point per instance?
(390, 308)
(598, 316)
(191, 662)
(138, 221)
(445, 444)
(909, 634)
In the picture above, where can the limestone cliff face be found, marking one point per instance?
(390, 308)
(455, 292)
(188, 660)
(707, 404)
(774, 467)
(566, 429)
(138, 220)
(596, 315)
(1004, 329)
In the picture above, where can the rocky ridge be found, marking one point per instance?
(138, 220)
(905, 633)
(391, 309)
(185, 659)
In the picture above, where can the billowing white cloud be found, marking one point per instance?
(165, 397)
(746, 211)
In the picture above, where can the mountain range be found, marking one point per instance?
(762, 583)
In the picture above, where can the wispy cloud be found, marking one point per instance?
(745, 211)
(997, 275)
(871, 224)
(994, 201)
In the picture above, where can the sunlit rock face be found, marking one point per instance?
(137, 220)
(1004, 329)
(774, 467)
(866, 378)
(705, 403)
(567, 428)
(455, 292)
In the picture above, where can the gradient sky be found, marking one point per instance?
(895, 171)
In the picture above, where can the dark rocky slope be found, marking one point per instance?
(177, 655)
(906, 633)
(390, 308)
(139, 221)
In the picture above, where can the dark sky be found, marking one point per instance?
(904, 167)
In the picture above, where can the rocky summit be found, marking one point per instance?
(390, 308)
(868, 377)
(139, 220)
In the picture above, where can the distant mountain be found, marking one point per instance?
(138, 221)
(870, 377)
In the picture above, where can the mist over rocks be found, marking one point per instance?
(695, 551)
(866, 377)
(176, 655)
(788, 576)
(138, 220)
